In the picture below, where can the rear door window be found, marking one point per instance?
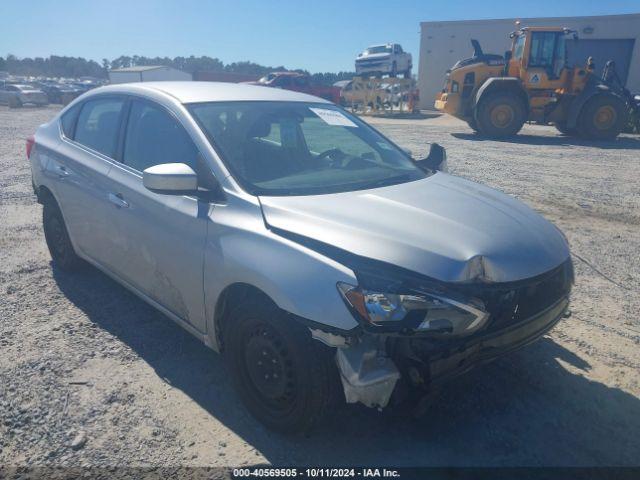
(98, 125)
(154, 137)
(68, 120)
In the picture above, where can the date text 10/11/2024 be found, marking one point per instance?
(314, 473)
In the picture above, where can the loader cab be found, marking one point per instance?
(539, 58)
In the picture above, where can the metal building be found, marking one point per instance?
(610, 37)
(149, 73)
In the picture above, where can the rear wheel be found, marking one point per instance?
(283, 376)
(602, 118)
(500, 115)
(57, 237)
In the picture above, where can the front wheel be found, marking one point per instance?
(500, 115)
(602, 118)
(283, 376)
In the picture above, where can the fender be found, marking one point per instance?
(503, 84)
(296, 278)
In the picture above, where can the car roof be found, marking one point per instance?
(195, 92)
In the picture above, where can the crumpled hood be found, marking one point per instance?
(442, 226)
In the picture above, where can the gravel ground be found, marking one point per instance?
(91, 376)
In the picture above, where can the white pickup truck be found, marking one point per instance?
(378, 60)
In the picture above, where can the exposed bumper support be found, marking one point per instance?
(368, 375)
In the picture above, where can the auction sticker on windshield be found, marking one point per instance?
(333, 117)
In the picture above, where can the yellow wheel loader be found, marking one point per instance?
(495, 95)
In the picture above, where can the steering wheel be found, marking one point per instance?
(327, 154)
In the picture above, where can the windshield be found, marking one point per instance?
(378, 49)
(295, 148)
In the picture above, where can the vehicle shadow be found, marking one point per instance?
(626, 142)
(533, 407)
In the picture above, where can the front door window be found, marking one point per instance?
(547, 51)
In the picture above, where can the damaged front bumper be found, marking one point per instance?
(368, 375)
(372, 365)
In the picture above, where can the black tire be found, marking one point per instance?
(57, 237)
(300, 375)
(500, 115)
(602, 118)
(562, 128)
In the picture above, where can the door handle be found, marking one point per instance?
(62, 172)
(118, 200)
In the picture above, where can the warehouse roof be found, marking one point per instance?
(623, 16)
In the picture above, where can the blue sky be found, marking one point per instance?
(322, 35)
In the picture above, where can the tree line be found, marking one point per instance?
(61, 66)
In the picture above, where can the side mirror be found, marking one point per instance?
(436, 160)
(170, 179)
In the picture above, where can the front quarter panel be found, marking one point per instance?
(240, 249)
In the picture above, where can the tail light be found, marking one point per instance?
(31, 141)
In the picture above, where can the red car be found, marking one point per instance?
(299, 82)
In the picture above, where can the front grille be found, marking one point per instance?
(512, 303)
(370, 63)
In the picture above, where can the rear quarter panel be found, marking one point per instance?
(47, 138)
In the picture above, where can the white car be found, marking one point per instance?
(18, 95)
(389, 59)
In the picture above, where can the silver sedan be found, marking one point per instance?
(19, 95)
(316, 255)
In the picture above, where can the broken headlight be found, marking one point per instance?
(414, 311)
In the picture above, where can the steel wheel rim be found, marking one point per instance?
(605, 117)
(269, 369)
(502, 116)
